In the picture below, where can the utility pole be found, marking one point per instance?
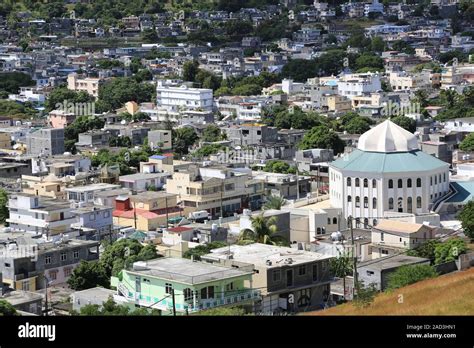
(174, 303)
(354, 260)
(166, 205)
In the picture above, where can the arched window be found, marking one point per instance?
(334, 221)
(400, 204)
(409, 205)
(418, 182)
(431, 180)
(390, 183)
(349, 183)
(400, 183)
(318, 230)
(366, 183)
(366, 223)
(366, 202)
(436, 180)
(374, 183)
(374, 222)
(374, 203)
(409, 183)
(357, 222)
(440, 178)
(357, 182)
(357, 201)
(349, 199)
(329, 221)
(418, 202)
(444, 177)
(390, 203)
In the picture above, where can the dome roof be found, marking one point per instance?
(387, 137)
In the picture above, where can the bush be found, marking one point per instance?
(407, 275)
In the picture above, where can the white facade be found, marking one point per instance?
(386, 173)
(175, 98)
(351, 85)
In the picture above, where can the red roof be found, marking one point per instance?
(179, 229)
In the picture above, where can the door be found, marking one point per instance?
(289, 277)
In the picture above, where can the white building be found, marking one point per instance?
(465, 124)
(387, 173)
(374, 7)
(175, 98)
(351, 85)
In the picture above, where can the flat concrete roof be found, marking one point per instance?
(185, 271)
(390, 262)
(259, 254)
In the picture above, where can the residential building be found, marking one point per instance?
(160, 138)
(144, 181)
(351, 85)
(45, 142)
(39, 215)
(175, 98)
(196, 286)
(85, 194)
(93, 222)
(87, 84)
(60, 118)
(291, 280)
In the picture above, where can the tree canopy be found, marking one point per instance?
(321, 137)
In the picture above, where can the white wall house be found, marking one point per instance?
(175, 98)
(351, 85)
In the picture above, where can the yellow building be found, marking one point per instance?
(338, 103)
(5, 140)
(43, 186)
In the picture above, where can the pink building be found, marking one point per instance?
(61, 118)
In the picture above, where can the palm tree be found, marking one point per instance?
(274, 202)
(263, 231)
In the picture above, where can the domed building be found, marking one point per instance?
(386, 173)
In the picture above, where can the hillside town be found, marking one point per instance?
(263, 157)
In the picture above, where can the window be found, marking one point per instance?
(431, 180)
(349, 183)
(92, 217)
(168, 288)
(63, 256)
(207, 292)
(229, 286)
(366, 202)
(188, 294)
(374, 203)
(357, 222)
(366, 223)
(25, 286)
(276, 275)
(409, 205)
(47, 260)
(304, 297)
(76, 254)
(381, 236)
(409, 183)
(315, 272)
(53, 275)
(329, 221)
(334, 221)
(357, 201)
(444, 177)
(436, 180)
(370, 273)
(384, 252)
(390, 203)
(390, 183)
(418, 182)
(418, 202)
(400, 204)
(67, 272)
(302, 270)
(374, 222)
(366, 183)
(349, 199)
(357, 182)
(106, 214)
(400, 183)
(374, 183)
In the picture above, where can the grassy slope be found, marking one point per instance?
(451, 294)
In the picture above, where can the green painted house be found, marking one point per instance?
(196, 286)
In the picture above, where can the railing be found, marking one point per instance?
(238, 297)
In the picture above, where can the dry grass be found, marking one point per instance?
(451, 294)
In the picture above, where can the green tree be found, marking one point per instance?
(61, 95)
(467, 144)
(377, 44)
(467, 219)
(405, 122)
(11, 82)
(274, 202)
(263, 231)
(88, 274)
(190, 70)
(183, 138)
(426, 250)
(6, 309)
(223, 311)
(449, 250)
(357, 125)
(211, 133)
(4, 212)
(321, 137)
(118, 91)
(203, 249)
(407, 275)
(365, 295)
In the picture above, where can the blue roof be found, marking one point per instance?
(331, 83)
(159, 157)
(392, 162)
(465, 192)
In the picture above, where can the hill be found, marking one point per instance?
(450, 294)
